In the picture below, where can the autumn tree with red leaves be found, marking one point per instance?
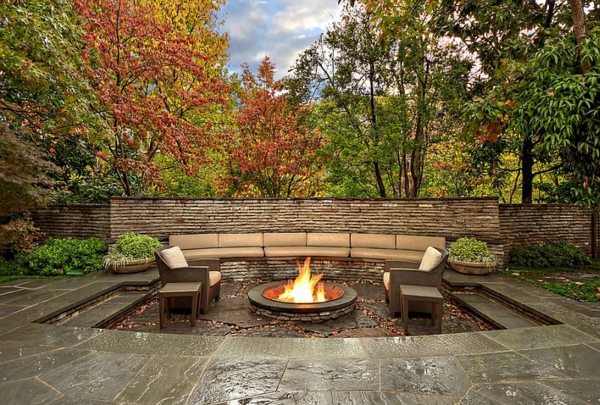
(150, 86)
(273, 153)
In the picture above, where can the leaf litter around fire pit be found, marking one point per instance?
(230, 316)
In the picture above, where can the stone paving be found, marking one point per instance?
(43, 363)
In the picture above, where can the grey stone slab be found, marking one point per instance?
(427, 376)
(508, 366)
(285, 398)
(28, 391)
(392, 398)
(105, 310)
(594, 346)
(494, 311)
(97, 376)
(164, 379)
(33, 297)
(331, 374)
(8, 289)
(437, 345)
(229, 379)
(291, 347)
(38, 283)
(71, 283)
(79, 401)
(15, 350)
(153, 343)
(579, 361)
(538, 337)
(50, 335)
(584, 390)
(12, 295)
(234, 311)
(517, 393)
(32, 366)
(8, 309)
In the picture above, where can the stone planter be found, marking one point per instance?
(135, 266)
(478, 269)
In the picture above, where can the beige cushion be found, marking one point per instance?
(328, 239)
(217, 253)
(293, 251)
(366, 240)
(174, 258)
(412, 242)
(285, 239)
(240, 239)
(214, 277)
(386, 254)
(199, 241)
(431, 258)
(386, 280)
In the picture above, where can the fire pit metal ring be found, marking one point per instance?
(316, 311)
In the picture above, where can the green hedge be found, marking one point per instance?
(555, 254)
(57, 257)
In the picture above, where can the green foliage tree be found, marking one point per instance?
(383, 99)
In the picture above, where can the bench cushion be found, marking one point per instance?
(214, 277)
(431, 259)
(228, 240)
(413, 242)
(285, 239)
(198, 241)
(174, 258)
(291, 251)
(386, 254)
(216, 253)
(328, 239)
(368, 240)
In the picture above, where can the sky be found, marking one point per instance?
(278, 28)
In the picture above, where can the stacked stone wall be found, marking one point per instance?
(536, 224)
(76, 221)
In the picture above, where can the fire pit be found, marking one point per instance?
(304, 299)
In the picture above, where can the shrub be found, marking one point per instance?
(58, 257)
(471, 250)
(131, 247)
(136, 246)
(553, 254)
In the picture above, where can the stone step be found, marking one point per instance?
(112, 307)
(494, 312)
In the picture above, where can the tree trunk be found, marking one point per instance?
(578, 17)
(527, 169)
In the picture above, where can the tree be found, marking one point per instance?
(150, 86)
(383, 99)
(273, 153)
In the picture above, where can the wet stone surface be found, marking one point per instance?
(231, 316)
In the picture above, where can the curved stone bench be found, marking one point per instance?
(276, 249)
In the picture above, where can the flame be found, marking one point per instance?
(305, 288)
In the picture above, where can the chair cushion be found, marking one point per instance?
(285, 239)
(240, 240)
(293, 251)
(412, 242)
(174, 258)
(214, 277)
(366, 240)
(386, 254)
(431, 259)
(386, 280)
(328, 239)
(199, 241)
(217, 253)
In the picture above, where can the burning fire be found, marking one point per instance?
(305, 288)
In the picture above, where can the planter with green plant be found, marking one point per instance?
(131, 253)
(471, 256)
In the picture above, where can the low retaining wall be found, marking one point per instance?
(522, 224)
(501, 226)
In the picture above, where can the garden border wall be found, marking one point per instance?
(500, 225)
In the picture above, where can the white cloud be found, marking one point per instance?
(281, 29)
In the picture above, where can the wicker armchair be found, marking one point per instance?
(206, 271)
(398, 273)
